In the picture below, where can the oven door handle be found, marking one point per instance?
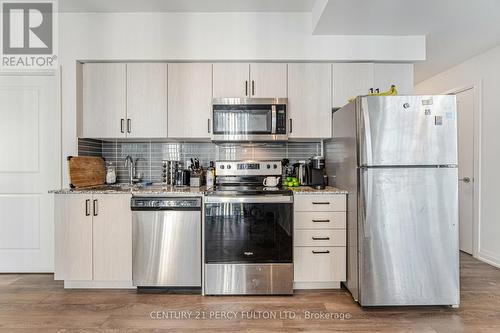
(251, 199)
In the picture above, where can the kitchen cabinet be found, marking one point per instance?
(189, 100)
(93, 237)
(354, 79)
(104, 100)
(255, 80)
(124, 100)
(319, 241)
(309, 101)
(146, 100)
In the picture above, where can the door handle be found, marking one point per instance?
(465, 179)
(122, 124)
(321, 238)
(291, 125)
(253, 88)
(129, 125)
(87, 207)
(246, 88)
(95, 208)
(320, 252)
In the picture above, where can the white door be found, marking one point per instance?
(268, 80)
(351, 80)
(401, 75)
(147, 100)
(465, 110)
(104, 100)
(189, 100)
(310, 100)
(231, 80)
(29, 167)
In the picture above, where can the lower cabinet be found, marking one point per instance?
(319, 241)
(93, 237)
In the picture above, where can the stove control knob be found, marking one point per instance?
(269, 166)
(229, 166)
(275, 166)
(222, 166)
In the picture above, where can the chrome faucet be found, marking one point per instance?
(129, 162)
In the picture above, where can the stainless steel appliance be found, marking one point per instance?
(318, 175)
(249, 119)
(397, 157)
(166, 242)
(248, 231)
(302, 171)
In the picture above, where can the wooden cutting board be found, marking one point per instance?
(86, 171)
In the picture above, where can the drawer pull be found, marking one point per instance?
(321, 238)
(320, 252)
(321, 203)
(321, 221)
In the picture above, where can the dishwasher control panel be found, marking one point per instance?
(164, 202)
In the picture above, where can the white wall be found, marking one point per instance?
(483, 71)
(207, 36)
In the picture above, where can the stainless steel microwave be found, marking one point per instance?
(249, 119)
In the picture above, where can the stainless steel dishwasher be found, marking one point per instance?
(166, 242)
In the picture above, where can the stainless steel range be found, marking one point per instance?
(248, 231)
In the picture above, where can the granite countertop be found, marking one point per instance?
(305, 190)
(136, 190)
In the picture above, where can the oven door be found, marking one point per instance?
(253, 229)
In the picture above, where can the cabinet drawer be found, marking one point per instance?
(319, 220)
(319, 264)
(320, 203)
(327, 237)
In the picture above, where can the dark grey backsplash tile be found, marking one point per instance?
(151, 154)
(89, 147)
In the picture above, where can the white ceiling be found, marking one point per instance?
(455, 30)
(185, 5)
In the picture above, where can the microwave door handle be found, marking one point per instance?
(273, 119)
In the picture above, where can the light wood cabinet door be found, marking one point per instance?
(189, 100)
(112, 237)
(104, 100)
(268, 80)
(147, 100)
(309, 101)
(319, 264)
(399, 74)
(231, 80)
(351, 80)
(73, 237)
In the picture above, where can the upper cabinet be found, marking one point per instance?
(104, 100)
(189, 100)
(309, 100)
(255, 80)
(354, 79)
(124, 100)
(147, 100)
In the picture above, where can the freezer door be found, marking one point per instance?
(407, 130)
(408, 236)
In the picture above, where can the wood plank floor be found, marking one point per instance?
(37, 303)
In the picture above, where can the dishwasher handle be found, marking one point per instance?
(158, 209)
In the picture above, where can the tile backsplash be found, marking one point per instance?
(150, 154)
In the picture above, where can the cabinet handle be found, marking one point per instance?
(122, 124)
(129, 125)
(87, 207)
(320, 252)
(321, 238)
(325, 221)
(291, 123)
(253, 88)
(246, 88)
(321, 203)
(96, 208)
(208, 124)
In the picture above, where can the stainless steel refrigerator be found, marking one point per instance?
(397, 156)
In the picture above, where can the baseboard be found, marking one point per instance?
(98, 285)
(489, 258)
(317, 285)
(31, 270)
